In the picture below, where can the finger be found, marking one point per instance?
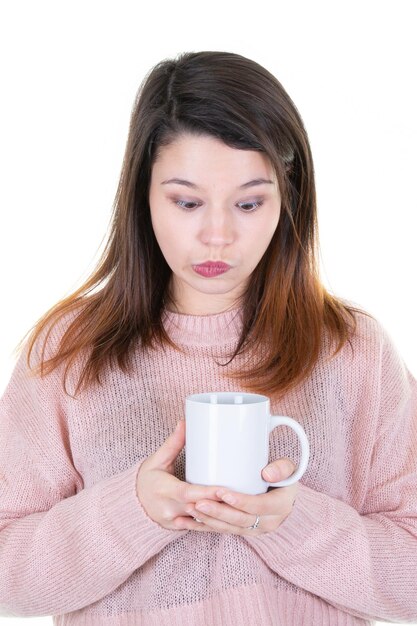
(279, 470)
(170, 449)
(269, 503)
(189, 523)
(219, 514)
(191, 493)
(224, 520)
(207, 523)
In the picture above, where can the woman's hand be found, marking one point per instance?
(238, 511)
(162, 495)
(167, 500)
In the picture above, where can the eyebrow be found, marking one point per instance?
(187, 183)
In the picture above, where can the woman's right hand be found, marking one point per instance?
(163, 496)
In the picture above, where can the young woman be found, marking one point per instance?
(208, 282)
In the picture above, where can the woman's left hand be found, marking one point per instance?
(236, 514)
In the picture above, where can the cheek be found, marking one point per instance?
(170, 237)
(259, 234)
(269, 227)
(159, 230)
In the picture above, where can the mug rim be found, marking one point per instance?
(205, 397)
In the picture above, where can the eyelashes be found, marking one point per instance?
(255, 205)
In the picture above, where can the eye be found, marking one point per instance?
(181, 203)
(185, 205)
(255, 204)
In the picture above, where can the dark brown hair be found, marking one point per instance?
(235, 99)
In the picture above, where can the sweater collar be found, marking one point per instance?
(210, 330)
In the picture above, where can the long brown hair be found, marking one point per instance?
(235, 99)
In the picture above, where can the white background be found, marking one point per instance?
(69, 74)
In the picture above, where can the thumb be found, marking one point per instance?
(170, 449)
(278, 470)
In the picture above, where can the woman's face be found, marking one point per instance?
(214, 217)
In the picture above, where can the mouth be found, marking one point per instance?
(211, 268)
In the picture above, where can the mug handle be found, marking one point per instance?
(278, 420)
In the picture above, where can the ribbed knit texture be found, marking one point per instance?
(76, 543)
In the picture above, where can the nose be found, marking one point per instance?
(217, 227)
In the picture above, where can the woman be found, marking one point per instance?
(209, 281)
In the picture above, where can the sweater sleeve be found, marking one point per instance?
(62, 546)
(362, 562)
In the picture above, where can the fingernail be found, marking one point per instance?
(203, 506)
(227, 497)
(271, 474)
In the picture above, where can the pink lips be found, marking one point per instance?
(211, 268)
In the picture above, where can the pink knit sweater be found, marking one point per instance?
(76, 543)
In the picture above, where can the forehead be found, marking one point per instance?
(206, 157)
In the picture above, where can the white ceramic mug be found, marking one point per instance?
(227, 441)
